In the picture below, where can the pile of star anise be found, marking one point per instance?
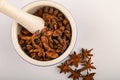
(83, 59)
(53, 39)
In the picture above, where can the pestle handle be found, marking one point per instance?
(30, 22)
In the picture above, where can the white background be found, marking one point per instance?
(98, 25)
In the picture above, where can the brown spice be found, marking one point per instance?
(21, 41)
(89, 76)
(53, 39)
(25, 31)
(52, 54)
(46, 9)
(75, 74)
(86, 53)
(88, 65)
(51, 10)
(64, 67)
(65, 22)
(56, 12)
(76, 59)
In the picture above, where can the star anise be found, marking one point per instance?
(86, 53)
(51, 54)
(35, 36)
(89, 76)
(64, 67)
(52, 41)
(76, 74)
(75, 59)
(88, 65)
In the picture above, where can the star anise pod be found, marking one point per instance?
(76, 74)
(86, 53)
(89, 76)
(64, 67)
(75, 59)
(88, 65)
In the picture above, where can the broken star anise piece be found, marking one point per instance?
(64, 67)
(86, 53)
(88, 65)
(52, 54)
(75, 59)
(89, 76)
(76, 74)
